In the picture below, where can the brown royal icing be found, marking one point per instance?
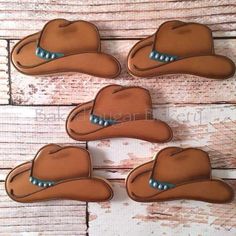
(177, 173)
(179, 48)
(117, 111)
(64, 46)
(57, 173)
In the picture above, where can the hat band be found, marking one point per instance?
(101, 121)
(162, 57)
(46, 55)
(160, 185)
(41, 183)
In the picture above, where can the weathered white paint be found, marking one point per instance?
(64, 217)
(211, 128)
(76, 88)
(22, 132)
(24, 129)
(122, 173)
(4, 82)
(116, 19)
(123, 216)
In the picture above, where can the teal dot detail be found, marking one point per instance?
(160, 185)
(41, 183)
(46, 55)
(162, 57)
(101, 121)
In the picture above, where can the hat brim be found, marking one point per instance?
(89, 189)
(79, 127)
(92, 63)
(210, 190)
(210, 66)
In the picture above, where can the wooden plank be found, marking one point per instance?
(71, 212)
(23, 130)
(43, 218)
(211, 128)
(119, 174)
(77, 88)
(170, 216)
(166, 218)
(116, 19)
(4, 80)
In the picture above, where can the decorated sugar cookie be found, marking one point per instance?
(179, 48)
(177, 173)
(57, 173)
(117, 111)
(64, 46)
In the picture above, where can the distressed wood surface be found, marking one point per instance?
(121, 173)
(4, 82)
(24, 129)
(77, 88)
(116, 19)
(188, 103)
(46, 218)
(211, 128)
(181, 217)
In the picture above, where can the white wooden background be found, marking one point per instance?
(202, 113)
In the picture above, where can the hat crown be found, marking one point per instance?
(183, 39)
(122, 103)
(55, 163)
(68, 37)
(177, 165)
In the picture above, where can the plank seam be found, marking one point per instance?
(9, 72)
(129, 38)
(76, 104)
(87, 219)
(86, 209)
(124, 168)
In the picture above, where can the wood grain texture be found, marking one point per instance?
(197, 121)
(23, 130)
(44, 218)
(116, 19)
(77, 88)
(166, 218)
(211, 128)
(121, 173)
(4, 82)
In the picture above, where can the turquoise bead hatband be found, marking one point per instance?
(46, 55)
(101, 121)
(162, 57)
(41, 183)
(160, 185)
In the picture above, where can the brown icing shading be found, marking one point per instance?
(117, 111)
(177, 173)
(64, 46)
(179, 48)
(57, 173)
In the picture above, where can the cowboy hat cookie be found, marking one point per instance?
(57, 173)
(179, 48)
(177, 173)
(64, 46)
(117, 111)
